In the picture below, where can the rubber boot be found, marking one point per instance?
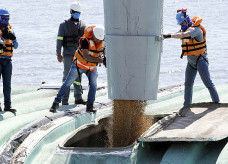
(54, 107)
(65, 102)
(10, 109)
(89, 108)
(81, 101)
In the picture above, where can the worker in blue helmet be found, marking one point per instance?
(183, 17)
(7, 45)
(193, 37)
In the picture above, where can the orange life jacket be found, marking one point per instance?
(9, 44)
(190, 46)
(94, 50)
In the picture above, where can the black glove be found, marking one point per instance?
(7, 34)
(166, 36)
(2, 45)
(104, 61)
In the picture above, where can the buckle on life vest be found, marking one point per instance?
(186, 40)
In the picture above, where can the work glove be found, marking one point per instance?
(104, 61)
(2, 45)
(166, 36)
(101, 54)
(7, 34)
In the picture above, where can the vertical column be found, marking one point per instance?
(133, 55)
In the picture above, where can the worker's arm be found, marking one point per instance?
(8, 33)
(178, 35)
(2, 46)
(85, 52)
(87, 57)
(59, 42)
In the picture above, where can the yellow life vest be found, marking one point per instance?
(190, 46)
(9, 44)
(94, 50)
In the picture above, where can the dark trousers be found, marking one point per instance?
(6, 74)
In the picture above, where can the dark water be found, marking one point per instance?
(36, 24)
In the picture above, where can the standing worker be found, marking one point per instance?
(68, 35)
(86, 58)
(7, 44)
(193, 36)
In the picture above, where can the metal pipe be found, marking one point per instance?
(133, 54)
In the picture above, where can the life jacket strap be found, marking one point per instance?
(196, 44)
(195, 49)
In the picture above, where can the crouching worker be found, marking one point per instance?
(86, 59)
(8, 43)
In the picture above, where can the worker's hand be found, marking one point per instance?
(99, 60)
(166, 36)
(101, 54)
(7, 34)
(2, 44)
(59, 58)
(104, 61)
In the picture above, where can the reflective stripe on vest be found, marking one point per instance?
(85, 67)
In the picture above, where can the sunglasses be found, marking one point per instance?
(72, 12)
(5, 19)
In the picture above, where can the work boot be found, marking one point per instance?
(54, 107)
(9, 109)
(81, 101)
(89, 108)
(65, 102)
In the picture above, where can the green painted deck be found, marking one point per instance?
(42, 144)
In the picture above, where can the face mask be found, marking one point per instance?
(184, 27)
(4, 22)
(189, 24)
(76, 15)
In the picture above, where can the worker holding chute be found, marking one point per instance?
(193, 36)
(89, 53)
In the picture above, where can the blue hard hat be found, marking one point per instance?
(4, 18)
(180, 17)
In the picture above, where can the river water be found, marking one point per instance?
(36, 23)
